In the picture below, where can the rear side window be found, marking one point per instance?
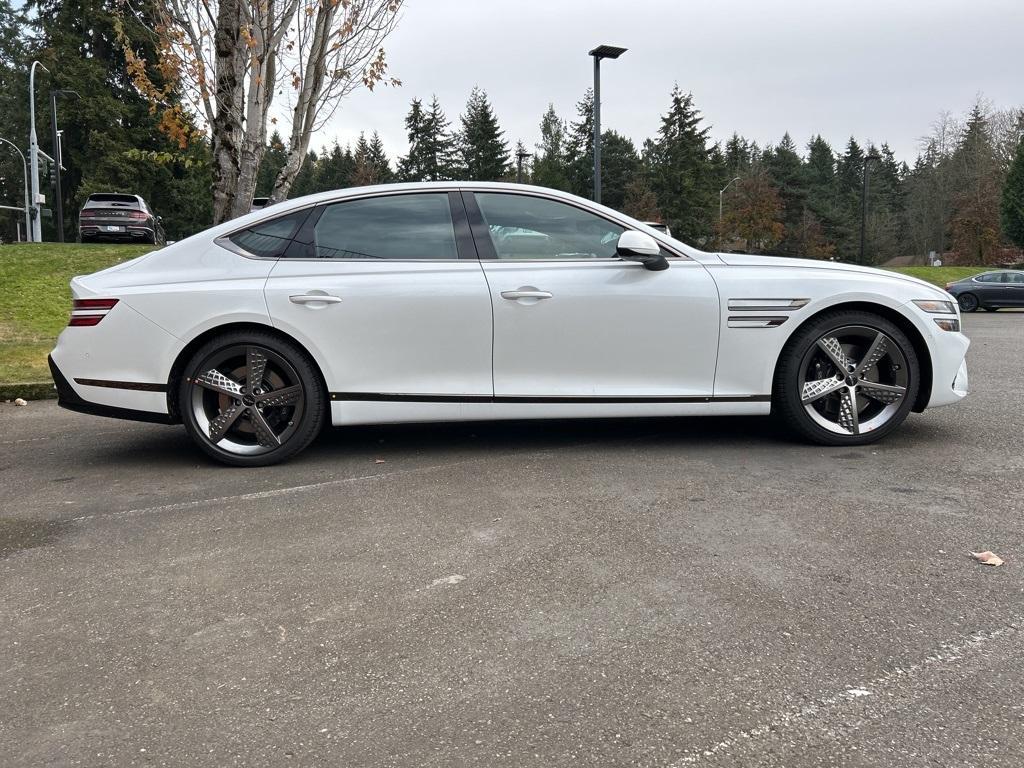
(269, 239)
(417, 226)
(990, 277)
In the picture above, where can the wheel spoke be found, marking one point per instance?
(875, 352)
(220, 425)
(830, 346)
(849, 419)
(280, 397)
(815, 390)
(883, 393)
(264, 434)
(256, 364)
(218, 382)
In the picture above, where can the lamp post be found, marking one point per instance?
(520, 156)
(872, 156)
(58, 160)
(33, 154)
(24, 167)
(721, 192)
(601, 52)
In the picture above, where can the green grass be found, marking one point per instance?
(35, 299)
(939, 275)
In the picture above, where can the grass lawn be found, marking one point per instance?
(939, 275)
(35, 300)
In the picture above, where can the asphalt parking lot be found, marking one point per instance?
(654, 593)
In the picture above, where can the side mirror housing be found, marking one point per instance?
(640, 247)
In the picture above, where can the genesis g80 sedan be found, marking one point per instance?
(472, 301)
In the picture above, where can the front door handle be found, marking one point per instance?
(525, 294)
(314, 298)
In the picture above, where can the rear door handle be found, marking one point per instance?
(513, 295)
(314, 298)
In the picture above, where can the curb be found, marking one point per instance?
(34, 390)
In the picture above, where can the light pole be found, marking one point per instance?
(864, 204)
(520, 156)
(721, 192)
(33, 154)
(601, 52)
(58, 159)
(24, 167)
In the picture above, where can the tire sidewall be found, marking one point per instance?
(972, 301)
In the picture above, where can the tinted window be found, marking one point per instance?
(1015, 277)
(524, 227)
(270, 238)
(391, 227)
(990, 277)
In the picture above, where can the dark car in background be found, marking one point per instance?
(116, 217)
(989, 290)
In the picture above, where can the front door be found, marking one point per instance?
(573, 320)
(377, 288)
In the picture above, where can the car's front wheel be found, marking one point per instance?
(846, 378)
(251, 399)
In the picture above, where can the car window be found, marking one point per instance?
(525, 227)
(417, 226)
(1015, 277)
(990, 277)
(270, 238)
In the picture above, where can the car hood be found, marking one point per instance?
(751, 260)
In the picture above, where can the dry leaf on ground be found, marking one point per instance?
(987, 558)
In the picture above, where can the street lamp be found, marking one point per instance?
(720, 193)
(872, 156)
(520, 156)
(24, 167)
(33, 153)
(601, 52)
(58, 159)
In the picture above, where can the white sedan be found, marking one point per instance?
(464, 301)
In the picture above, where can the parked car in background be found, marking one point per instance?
(989, 290)
(661, 227)
(259, 203)
(117, 217)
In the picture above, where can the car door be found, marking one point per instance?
(573, 320)
(388, 290)
(1014, 288)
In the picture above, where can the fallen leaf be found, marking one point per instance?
(455, 578)
(19, 401)
(987, 558)
(378, 461)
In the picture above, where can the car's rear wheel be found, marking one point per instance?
(251, 399)
(968, 302)
(847, 378)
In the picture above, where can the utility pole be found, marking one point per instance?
(36, 235)
(58, 161)
(601, 52)
(721, 192)
(864, 206)
(520, 156)
(24, 168)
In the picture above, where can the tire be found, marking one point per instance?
(251, 426)
(879, 383)
(968, 302)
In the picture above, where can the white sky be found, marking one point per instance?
(881, 71)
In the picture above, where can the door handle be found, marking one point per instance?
(314, 298)
(524, 294)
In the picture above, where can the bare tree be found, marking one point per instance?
(228, 59)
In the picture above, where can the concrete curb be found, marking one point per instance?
(33, 390)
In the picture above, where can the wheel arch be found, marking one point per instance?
(894, 316)
(178, 367)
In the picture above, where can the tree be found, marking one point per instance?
(378, 160)
(550, 163)
(975, 226)
(682, 174)
(483, 151)
(273, 161)
(229, 58)
(1012, 204)
(785, 168)
(640, 202)
(620, 165)
(756, 212)
(579, 148)
(432, 147)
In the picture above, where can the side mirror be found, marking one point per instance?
(637, 246)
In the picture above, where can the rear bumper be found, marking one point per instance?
(68, 398)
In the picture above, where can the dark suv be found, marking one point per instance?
(121, 218)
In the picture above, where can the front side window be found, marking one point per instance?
(269, 239)
(417, 226)
(524, 227)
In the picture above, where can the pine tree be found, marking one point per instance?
(550, 163)
(683, 176)
(640, 202)
(378, 160)
(785, 169)
(1012, 204)
(432, 148)
(483, 151)
(620, 165)
(579, 148)
(272, 163)
(975, 225)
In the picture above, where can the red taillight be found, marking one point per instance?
(90, 311)
(137, 214)
(87, 214)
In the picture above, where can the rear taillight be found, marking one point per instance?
(90, 311)
(137, 215)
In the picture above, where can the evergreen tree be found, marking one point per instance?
(620, 165)
(13, 121)
(335, 169)
(683, 175)
(579, 148)
(785, 169)
(640, 202)
(550, 163)
(1012, 204)
(378, 160)
(975, 224)
(272, 163)
(483, 151)
(304, 183)
(432, 149)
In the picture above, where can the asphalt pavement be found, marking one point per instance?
(662, 592)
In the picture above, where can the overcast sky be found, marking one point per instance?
(881, 71)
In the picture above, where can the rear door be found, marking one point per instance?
(389, 292)
(1014, 288)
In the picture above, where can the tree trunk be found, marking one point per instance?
(227, 124)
